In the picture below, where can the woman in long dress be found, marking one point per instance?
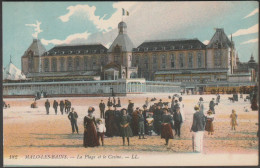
(167, 126)
(209, 123)
(90, 132)
(125, 126)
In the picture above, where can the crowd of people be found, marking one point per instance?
(153, 118)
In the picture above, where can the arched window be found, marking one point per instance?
(181, 61)
(173, 61)
(85, 63)
(54, 64)
(46, 64)
(190, 60)
(217, 58)
(70, 64)
(199, 59)
(77, 63)
(62, 62)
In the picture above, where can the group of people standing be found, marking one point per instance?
(63, 105)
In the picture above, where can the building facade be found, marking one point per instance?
(184, 60)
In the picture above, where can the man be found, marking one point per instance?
(201, 105)
(109, 102)
(160, 103)
(145, 114)
(69, 105)
(66, 106)
(114, 101)
(212, 105)
(182, 109)
(130, 108)
(47, 106)
(177, 122)
(62, 106)
(118, 102)
(55, 106)
(73, 116)
(197, 128)
(102, 107)
(147, 102)
(141, 120)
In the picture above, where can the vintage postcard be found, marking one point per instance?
(124, 83)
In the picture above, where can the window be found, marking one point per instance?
(137, 60)
(101, 51)
(46, 64)
(173, 61)
(54, 64)
(181, 60)
(77, 63)
(146, 49)
(94, 51)
(163, 61)
(70, 64)
(85, 63)
(190, 60)
(86, 51)
(154, 61)
(199, 59)
(117, 58)
(146, 59)
(94, 61)
(217, 58)
(155, 48)
(102, 60)
(62, 61)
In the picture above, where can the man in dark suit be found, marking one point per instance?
(73, 116)
(61, 106)
(130, 108)
(47, 106)
(212, 105)
(198, 127)
(102, 107)
(55, 106)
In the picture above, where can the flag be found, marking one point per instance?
(123, 11)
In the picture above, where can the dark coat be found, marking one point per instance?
(73, 116)
(62, 104)
(199, 121)
(47, 104)
(125, 126)
(102, 106)
(55, 104)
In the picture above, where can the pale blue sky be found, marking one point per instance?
(147, 21)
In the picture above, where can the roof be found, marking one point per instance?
(221, 38)
(11, 72)
(123, 41)
(77, 49)
(184, 71)
(36, 47)
(179, 44)
(79, 73)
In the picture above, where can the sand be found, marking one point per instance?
(29, 131)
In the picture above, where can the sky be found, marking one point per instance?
(69, 23)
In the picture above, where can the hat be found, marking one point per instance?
(209, 112)
(144, 106)
(196, 107)
(137, 108)
(201, 99)
(91, 109)
(160, 99)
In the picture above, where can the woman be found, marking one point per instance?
(125, 127)
(209, 123)
(90, 132)
(167, 126)
(233, 122)
(134, 124)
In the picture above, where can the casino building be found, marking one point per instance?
(184, 60)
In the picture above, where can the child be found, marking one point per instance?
(233, 122)
(101, 129)
(149, 123)
(209, 123)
